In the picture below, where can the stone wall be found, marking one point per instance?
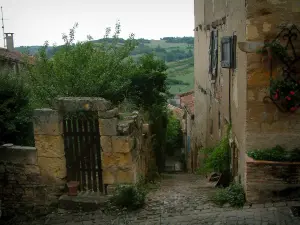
(123, 156)
(271, 181)
(266, 125)
(221, 99)
(21, 188)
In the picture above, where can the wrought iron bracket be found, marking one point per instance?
(285, 39)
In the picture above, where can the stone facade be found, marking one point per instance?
(236, 95)
(271, 181)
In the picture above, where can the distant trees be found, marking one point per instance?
(187, 40)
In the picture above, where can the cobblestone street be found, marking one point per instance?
(183, 199)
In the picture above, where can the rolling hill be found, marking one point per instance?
(176, 51)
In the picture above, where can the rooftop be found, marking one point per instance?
(188, 100)
(14, 56)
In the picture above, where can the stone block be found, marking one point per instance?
(31, 169)
(72, 104)
(19, 154)
(108, 127)
(47, 121)
(108, 114)
(122, 143)
(108, 177)
(49, 146)
(106, 143)
(116, 160)
(52, 169)
(125, 176)
(125, 127)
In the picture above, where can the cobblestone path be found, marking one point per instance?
(183, 199)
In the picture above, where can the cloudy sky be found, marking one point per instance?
(35, 21)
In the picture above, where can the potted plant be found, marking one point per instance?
(73, 188)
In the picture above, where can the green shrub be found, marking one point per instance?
(217, 158)
(130, 197)
(174, 135)
(234, 195)
(277, 153)
(15, 113)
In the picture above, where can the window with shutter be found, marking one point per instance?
(228, 52)
(213, 53)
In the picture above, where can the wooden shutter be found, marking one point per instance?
(210, 52)
(215, 53)
(226, 52)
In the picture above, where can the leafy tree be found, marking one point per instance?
(104, 69)
(174, 135)
(15, 112)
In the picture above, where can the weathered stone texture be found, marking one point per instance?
(106, 143)
(72, 104)
(122, 143)
(21, 187)
(47, 122)
(49, 146)
(108, 127)
(116, 160)
(108, 114)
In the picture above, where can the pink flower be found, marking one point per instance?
(288, 98)
(293, 109)
(275, 96)
(292, 92)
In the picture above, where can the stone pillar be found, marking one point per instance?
(49, 143)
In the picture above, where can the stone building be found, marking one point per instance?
(231, 81)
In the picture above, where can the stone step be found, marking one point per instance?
(85, 201)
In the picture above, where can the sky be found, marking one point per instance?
(37, 21)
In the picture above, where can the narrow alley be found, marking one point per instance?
(182, 199)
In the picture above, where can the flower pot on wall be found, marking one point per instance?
(73, 188)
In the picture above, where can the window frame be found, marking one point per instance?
(228, 59)
(213, 53)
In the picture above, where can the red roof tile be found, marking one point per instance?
(14, 56)
(188, 100)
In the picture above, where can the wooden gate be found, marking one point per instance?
(83, 151)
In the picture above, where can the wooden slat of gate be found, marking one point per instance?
(66, 143)
(98, 155)
(93, 155)
(76, 150)
(70, 150)
(87, 154)
(81, 150)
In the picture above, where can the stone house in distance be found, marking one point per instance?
(231, 81)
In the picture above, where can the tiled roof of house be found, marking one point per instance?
(188, 100)
(14, 56)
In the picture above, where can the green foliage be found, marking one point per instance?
(234, 195)
(174, 135)
(277, 153)
(104, 69)
(131, 197)
(217, 158)
(15, 112)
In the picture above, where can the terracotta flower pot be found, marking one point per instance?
(73, 188)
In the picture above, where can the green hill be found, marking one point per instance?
(176, 51)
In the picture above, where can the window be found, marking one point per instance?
(213, 53)
(228, 52)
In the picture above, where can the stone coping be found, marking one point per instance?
(250, 160)
(18, 154)
(70, 104)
